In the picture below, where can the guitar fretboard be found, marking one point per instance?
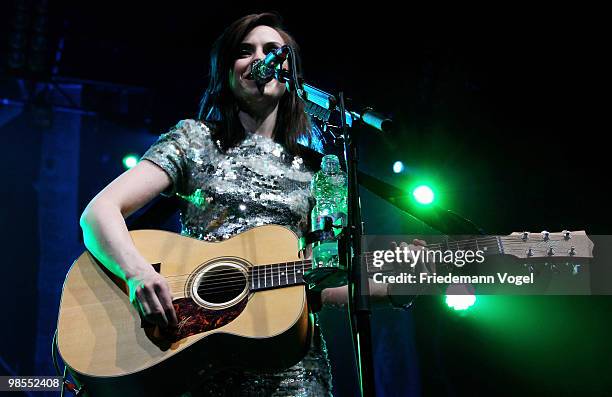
(277, 275)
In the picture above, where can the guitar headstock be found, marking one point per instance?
(564, 245)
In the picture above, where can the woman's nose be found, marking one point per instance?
(259, 54)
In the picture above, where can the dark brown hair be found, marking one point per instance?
(218, 105)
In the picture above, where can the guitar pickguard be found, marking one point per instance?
(194, 319)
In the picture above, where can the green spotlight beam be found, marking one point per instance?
(460, 302)
(423, 194)
(441, 219)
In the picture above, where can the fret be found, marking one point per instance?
(269, 267)
(294, 280)
(258, 278)
(269, 275)
(301, 271)
(265, 278)
(286, 275)
(279, 272)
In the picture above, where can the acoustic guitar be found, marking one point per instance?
(240, 303)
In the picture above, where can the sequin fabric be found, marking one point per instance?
(252, 184)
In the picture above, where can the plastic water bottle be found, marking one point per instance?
(329, 188)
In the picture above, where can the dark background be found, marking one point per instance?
(503, 109)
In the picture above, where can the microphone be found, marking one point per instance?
(263, 71)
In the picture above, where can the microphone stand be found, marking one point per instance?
(321, 104)
(358, 284)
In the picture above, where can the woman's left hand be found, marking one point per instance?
(422, 265)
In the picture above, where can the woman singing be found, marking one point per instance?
(242, 155)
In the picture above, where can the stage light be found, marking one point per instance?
(130, 160)
(398, 167)
(423, 194)
(460, 302)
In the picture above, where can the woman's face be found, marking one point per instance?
(258, 42)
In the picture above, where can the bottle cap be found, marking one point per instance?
(330, 163)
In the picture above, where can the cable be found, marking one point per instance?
(53, 353)
(65, 384)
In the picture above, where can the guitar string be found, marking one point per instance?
(250, 269)
(427, 246)
(241, 284)
(235, 287)
(450, 244)
(272, 275)
(242, 281)
(278, 268)
(366, 255)
(273, 272)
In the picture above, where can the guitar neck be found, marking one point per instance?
(559, 246)
(490, 245)
(553, 246)
(278, 275)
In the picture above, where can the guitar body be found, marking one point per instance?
(111, 351)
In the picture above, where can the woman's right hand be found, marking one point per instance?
(106, 236)
(150, 294)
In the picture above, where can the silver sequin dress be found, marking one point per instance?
(252, 184)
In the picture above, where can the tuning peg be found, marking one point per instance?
(566, 235)
(525, 236)
(551, 251)
(530, 252)
(572, 251)
(545, 235)
(575, 269)
(553, 268)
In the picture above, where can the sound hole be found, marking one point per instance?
(221, 284)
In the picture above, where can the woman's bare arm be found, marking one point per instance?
(339, 296)
(106, 236)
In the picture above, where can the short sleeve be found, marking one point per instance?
(169, 152)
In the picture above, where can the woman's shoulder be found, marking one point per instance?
(193, 127)
(191, 133)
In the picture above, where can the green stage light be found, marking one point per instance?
(460, 302)
(398, 167)
(423, 194)
(130, 160)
